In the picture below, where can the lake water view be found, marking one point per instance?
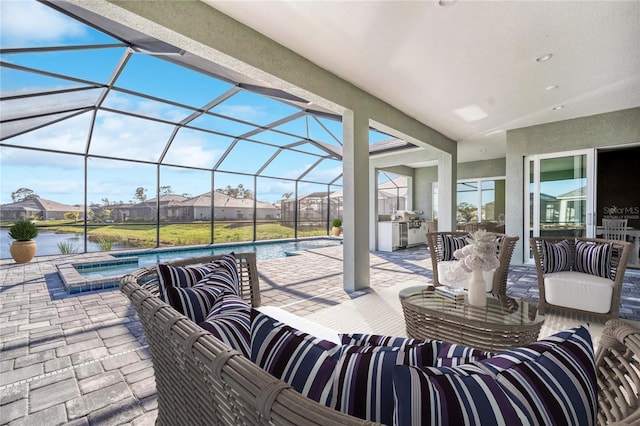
(48, 243)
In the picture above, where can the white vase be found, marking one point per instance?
(477, 295)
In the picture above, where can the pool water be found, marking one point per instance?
(125, 263)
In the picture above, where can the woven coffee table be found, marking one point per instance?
(496, 327)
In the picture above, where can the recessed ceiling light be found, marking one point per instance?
(552, 87)
(544, 58)
(556, 108)
(471, 113)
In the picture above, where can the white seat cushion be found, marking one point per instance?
(578, 290)
(458, 278)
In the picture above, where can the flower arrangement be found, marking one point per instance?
(479, 254)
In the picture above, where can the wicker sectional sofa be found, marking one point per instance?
(200, 380)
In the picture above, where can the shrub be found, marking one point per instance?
(337, 223)
(66, 247)
(23, 230)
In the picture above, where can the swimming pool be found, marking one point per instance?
(125, 263)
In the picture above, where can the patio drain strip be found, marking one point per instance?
(73, 367)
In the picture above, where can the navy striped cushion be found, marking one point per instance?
(180, 276)
(556, 257)
(363, 385)
(232, 327)
(552, 381)
(594, 259)
(304, 361)
(451, 355)
(223, 279)
(360, 339)
(230, 302)
(450, 244)
(229, 262)
(194, 302)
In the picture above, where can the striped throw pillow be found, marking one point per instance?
(229, 263)
(194, 302)
(180, 276)
(594, 259)
(231, 326)
(419, 351)
(556, 257)
(452, 354)
(303, 361)
(222, 279)
(363, 386)
(552, 381)
(450, 244)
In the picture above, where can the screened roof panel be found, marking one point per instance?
(12, 128)
(289, 164)
(123, 136)
(95, 65)
(69, 135)
(196, 149)
(274, 138)
(325, 172)
(328, 131)
(48, 104)
(296, 127)
(146, 107)
(310, 148)
(247, 157)
(22, 82)
(222, 125)
(254, 108)
(169, 81)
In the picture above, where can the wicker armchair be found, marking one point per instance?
(505, 251)
(618, 374)
(554, 297)
(200, 380)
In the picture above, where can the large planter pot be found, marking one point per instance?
(23, 251)
(336, 231)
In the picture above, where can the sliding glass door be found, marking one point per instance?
(560, 199)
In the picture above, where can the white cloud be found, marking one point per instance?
(242, 112)
(33, 23)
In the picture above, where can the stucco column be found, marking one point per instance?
(447, 175)
(355, 223)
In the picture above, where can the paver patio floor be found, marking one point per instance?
(82, 359)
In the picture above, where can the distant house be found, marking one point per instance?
(178, 208)
(312, 207)
(36, 208)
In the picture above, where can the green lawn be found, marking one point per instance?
(142, 235)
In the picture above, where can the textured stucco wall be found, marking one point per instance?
(482, 169)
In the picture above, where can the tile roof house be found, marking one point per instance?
(36, 208)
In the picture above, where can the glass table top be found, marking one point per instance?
(506, 311)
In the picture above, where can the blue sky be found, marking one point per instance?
(60, 177)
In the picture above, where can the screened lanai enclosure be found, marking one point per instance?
(121, 140)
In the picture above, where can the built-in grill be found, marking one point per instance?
(415, 223)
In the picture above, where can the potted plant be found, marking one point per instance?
(23, 248)
(337, 227)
